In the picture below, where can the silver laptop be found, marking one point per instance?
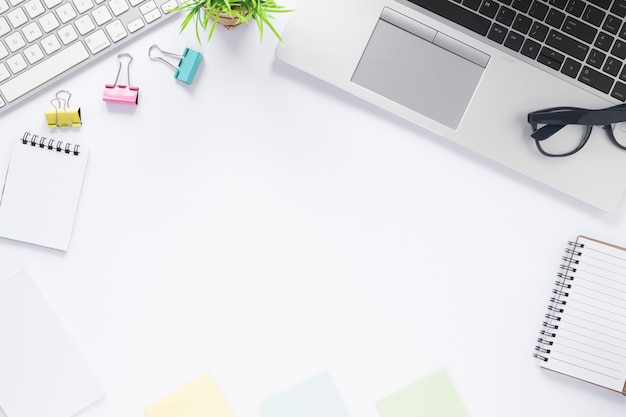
(471, 71)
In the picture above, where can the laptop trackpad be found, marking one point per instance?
(420, 68)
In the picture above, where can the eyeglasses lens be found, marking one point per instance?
(619, 131)
(567, 140)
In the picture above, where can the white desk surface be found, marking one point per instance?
(264, 227)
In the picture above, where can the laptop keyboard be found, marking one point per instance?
(43, 40)
(585, 40)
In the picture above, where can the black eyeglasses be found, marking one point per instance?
(578, 124)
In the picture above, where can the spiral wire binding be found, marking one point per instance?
(558, 300)
(50, 144)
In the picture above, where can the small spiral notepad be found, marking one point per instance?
(41, 191)
(584, 334)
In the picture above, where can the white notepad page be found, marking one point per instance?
(40, 194)
(589, 339)
(42, 373)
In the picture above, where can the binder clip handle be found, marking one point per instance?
(121, 93)
(61, 114)
(188, 62)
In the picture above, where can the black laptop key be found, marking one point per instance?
(472, 4)
(497, 33)
(505, 16)
(612, 24)
(571, 67)
(619, 91)
(593, 15)
(549, 61)
(596, 58)
(560, 4)
(619, 49)
(596, 79)
(538, 31)
(514, 41)
(521, 5)
(575, 7)
(619, 8)
(579, 29)
(603, 4)
(456, 14)
(489, 8)
(612, 66)
(567, 45)
(530, 49)
(522, 23)
(538, 10)
(555, 18)
(604, 41)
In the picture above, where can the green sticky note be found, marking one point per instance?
(433, 396)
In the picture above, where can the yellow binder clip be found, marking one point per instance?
(62, 115)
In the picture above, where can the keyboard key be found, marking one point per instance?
(101, 15)
(84, 25)
(153, 15)
(559, 4)
(505, 16)
(4, 6)
(569, 46)
(497, 33)
(4, 26)
(83, 5)
(97, 41)
(619, 49)
(4, 52)
(575, 7)
(17, 63)
(15, 41)
(522, 23)
(593, 15)
(489, 8)
(604, 41)
(33, 53)
(32, 32)
(51, 44)
(116, 31)
(611, 24)
(551, 58)
(539, 10)
(579, 29)
(17, 17)
(612, 66)
(66, 13)
(34, 8)
(44, 71)
(530, 49)
(49, 22)
(521, 5)
(118, 7)
(596, 79)
(596, 58)
(555, 18)
(514, 41)
(571, 67)
(619, 91)
(603, 4)
(135, 25)
(4, 72)
(67, 34)
(619, 8)
(538, 31)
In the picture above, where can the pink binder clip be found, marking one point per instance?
(121, 93)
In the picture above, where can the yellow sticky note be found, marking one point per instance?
(198, 398)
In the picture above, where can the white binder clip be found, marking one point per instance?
(122, 93)
(62, 115)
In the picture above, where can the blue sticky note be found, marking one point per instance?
(317, 397)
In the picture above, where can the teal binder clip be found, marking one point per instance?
(187, 65)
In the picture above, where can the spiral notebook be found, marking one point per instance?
(41, 191)
(584, 334)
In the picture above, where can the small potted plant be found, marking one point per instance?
(230, 13)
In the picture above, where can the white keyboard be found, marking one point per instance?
(43, 40)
